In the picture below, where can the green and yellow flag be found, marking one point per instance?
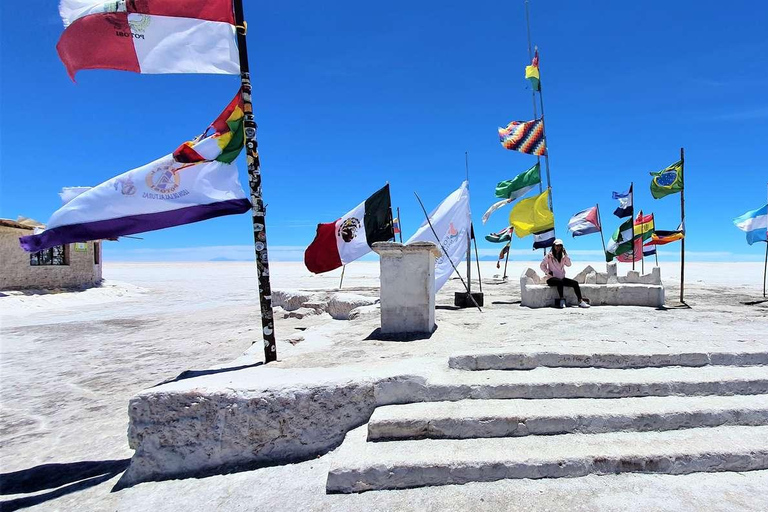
(532, 215)
(532, 72)
(668, 181)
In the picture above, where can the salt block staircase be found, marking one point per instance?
(550, 415)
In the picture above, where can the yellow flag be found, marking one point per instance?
(532, 215)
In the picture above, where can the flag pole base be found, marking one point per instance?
(463, 300)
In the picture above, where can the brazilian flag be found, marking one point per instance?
(668, 181)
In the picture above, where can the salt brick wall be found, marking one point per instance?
(16, 273)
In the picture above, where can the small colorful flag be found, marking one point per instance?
(545, 238)
(644, 226)
(517, 187)
(532, 215)
(625, 203)
(351, 237)
(532, 72)
(660, 237)
(649, 250)
(524, 136)
(502, 255)
(667, 181)
(621, 241)
(627, 257)
(584, 222)
(396, 225)
(755, 224)
(149, 36)
(505, 235)
(196, 182)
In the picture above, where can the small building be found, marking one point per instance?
(76, 265)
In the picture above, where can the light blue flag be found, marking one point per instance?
(755, 224)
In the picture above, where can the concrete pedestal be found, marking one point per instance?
(407, 287)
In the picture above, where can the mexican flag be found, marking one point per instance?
(149, 36)
(350, 237)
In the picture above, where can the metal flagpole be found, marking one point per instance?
(477, 257)
(343, 268)
(765, 267)
(632, 199)
(533, 93)
(682, 222)
(602, 239)
(642, 255)
(445, 253)
(656, 253)
(469, 233)
(509, 248)
(546, 142)
(254, 180)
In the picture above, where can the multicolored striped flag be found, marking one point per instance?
(625, 207)
(532, 72)
(198, 181)
(149, 36)
(396, 225)
(660, 237)
(524, 136)
(644, 226)
(621, 241)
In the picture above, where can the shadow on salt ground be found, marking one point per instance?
(189, 374)
(63, 478)
(377, 335)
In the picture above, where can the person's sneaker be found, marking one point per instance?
(561, 304)
(583, 304)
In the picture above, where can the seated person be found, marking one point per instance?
(553, 265)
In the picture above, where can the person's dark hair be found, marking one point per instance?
(558, 255)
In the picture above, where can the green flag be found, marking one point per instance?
(519, 185)
(621, 240)
(668, 181)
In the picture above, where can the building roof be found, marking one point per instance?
(8, 223)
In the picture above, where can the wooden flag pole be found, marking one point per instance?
(656, 253)
(642, 255)
(682, 222)
(341, 281)
(254, 180)
(400, 224)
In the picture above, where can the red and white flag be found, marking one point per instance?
(149, 36)
(350, 237)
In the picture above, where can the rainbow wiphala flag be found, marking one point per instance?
(524, 136)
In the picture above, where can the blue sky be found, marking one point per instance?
(349, 95)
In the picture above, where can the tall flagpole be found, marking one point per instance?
(600, 221)
(682, 221)
(632, 200)
(546, 142)
(254, 180)
(533, 93)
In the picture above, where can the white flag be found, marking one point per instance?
(451, 220)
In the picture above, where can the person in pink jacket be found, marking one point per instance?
(553, 265)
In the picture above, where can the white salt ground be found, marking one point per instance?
(70, 362)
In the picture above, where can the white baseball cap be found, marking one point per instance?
(558, 241)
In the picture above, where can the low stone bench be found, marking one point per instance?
(601, 289)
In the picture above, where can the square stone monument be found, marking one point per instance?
(407, 287)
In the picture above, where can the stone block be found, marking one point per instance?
(341, 304)
(407, 287)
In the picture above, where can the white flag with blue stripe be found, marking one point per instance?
(755, 224)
